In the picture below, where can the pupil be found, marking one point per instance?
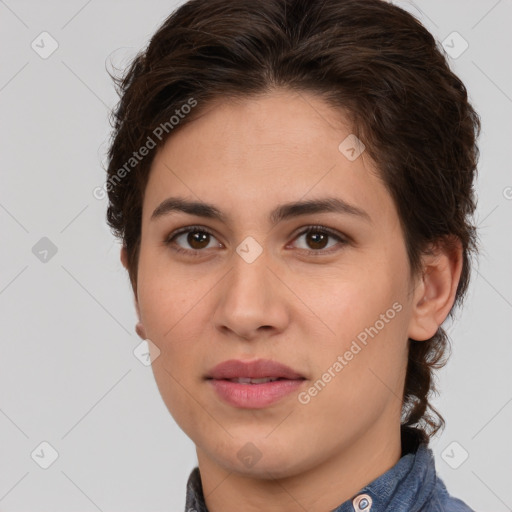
(196, 239)
(318, 240)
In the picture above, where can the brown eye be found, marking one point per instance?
(198, 239)
(191, 240)
(316, 240)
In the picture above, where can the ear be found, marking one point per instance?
(124, 256)
(139, 328)
(435, 291)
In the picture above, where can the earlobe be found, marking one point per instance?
(124, 257)
(435, 294)
(139, 328)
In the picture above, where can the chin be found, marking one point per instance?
(253, 460)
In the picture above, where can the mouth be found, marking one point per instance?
(248, 380)
(254, 372)
(247, 393)
(254, 384)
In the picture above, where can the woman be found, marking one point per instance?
(293, 185)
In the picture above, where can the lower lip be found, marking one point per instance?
(254, 396)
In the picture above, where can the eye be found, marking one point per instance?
(197, 238)
(316, 239)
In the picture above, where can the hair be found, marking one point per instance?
(369, 59)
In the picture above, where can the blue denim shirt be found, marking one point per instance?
(411, 485)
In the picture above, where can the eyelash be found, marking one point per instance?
(310, 229)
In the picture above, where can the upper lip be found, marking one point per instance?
(260, 368)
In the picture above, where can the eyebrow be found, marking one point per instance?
(282, 212)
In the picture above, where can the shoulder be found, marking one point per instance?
(436, 497)
(442, 501)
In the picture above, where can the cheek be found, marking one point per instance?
(351, 299)
(166, 299)
(174, 312)
(364, 320)
(173, 318)
(360, 374)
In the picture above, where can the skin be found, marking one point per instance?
(304, 310)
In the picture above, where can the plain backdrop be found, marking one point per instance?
(68, 374)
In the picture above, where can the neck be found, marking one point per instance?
(319, 487)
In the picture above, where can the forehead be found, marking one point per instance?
(266, 150)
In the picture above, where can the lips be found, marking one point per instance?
(258, 369)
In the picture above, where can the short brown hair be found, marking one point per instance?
(370, 59)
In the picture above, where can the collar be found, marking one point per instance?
(411, 481)
(409, 484)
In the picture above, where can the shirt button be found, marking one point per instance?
(362, 503)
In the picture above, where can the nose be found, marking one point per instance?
(252, 301)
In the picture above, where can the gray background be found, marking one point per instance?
(68, 375)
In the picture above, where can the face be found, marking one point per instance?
(333, 303)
